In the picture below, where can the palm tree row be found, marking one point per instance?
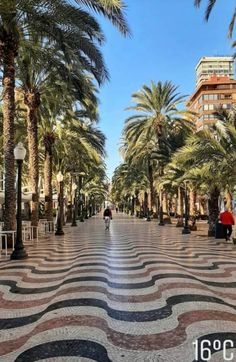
(163, 154)
(149, 137)
(50, 61)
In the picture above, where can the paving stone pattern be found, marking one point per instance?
(138, 292)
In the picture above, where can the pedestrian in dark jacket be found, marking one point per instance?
(107, 212)
(107, 216)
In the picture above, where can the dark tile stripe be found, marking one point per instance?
(138, 316)
(65, 348)
(33, 269)
(14, 288)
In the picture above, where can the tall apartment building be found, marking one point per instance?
(215, 87)
(217, 66)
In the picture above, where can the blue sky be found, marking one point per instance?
(168, 39)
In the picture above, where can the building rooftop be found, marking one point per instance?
(216, 58)
(211, 81)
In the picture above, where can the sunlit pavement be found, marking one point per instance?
(138, 292)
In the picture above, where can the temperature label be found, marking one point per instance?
(205, 348)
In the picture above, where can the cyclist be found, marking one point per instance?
(107, 216)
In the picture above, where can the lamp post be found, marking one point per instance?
(133, 205)
(186, 229)
(175, 205)
(86, 205)
(81, 212)
(59, 230)
(89, 210)
(81, 209)
(19, 251)
(129, 205)
(148, 215)
(93, 211)
(74, 187)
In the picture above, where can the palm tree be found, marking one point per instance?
(158, 105)
(210, 6)
(9, 42)
(48, 140)
(82, 146)
(42, 68)
(137, 150)
(58, 21)
(159, 116)
(129, 181)
(209, 159)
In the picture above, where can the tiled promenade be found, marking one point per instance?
(138, 292)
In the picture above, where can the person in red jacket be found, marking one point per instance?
(227, 220)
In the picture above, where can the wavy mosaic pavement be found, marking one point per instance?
(135, 293)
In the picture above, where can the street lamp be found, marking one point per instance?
(133, 205)
(86, 205)
(59, 230)
(93, 211)
(81, 209)
(19, 251)
(148, 214)
(74, 187)
(186, 229)
(175, 205)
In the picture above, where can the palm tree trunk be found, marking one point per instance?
(8, 84)
(213, 205)
(180, 208)
(165, 208)
(149, 201)
(145, 204)
(70, 201)
(137, 203)
(32, 101)
(48, 143)
(192, 201)
(175, 201)
(192, 208)
(151, 184)
(229, 199)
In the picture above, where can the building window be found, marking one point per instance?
(209, 116)
(226, 106)
(200, 99)
(210, 97)
(222, 86)
(226, 96)
(208, 107)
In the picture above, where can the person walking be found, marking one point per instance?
(107, 216)
(227, 220)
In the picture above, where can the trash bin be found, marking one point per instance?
(219, 233)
